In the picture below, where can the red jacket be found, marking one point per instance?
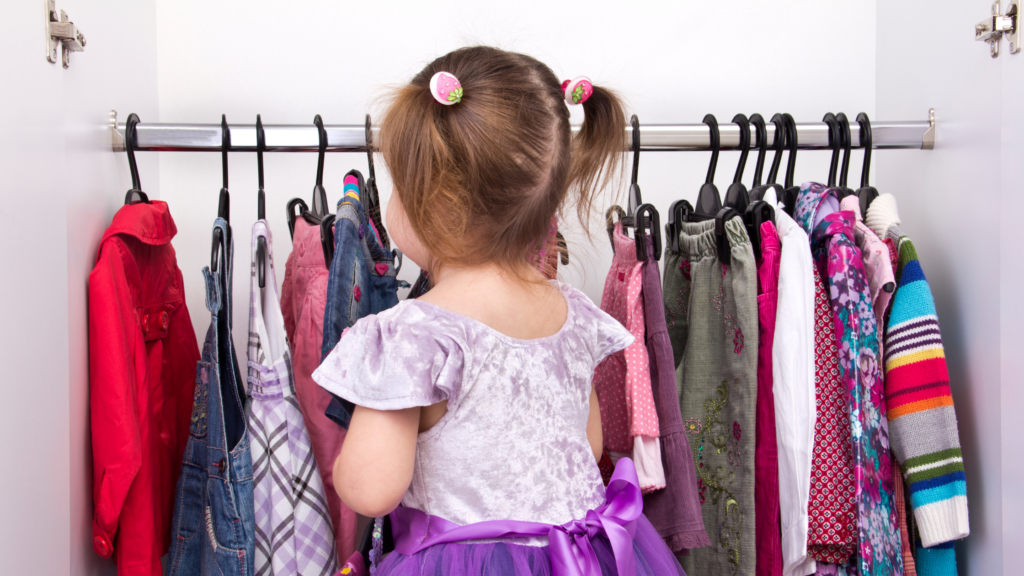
(142, 368)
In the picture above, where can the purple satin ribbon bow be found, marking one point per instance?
(569, 544)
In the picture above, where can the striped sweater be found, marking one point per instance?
(922, 421)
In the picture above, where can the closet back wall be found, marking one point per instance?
(672, 62)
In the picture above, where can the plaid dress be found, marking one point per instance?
(293, 525)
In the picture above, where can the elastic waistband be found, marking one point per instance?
(697, 239)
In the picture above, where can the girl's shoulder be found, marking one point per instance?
(403, 357)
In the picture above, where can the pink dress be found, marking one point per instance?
(303, 298)
(766, 450)
(629, 420)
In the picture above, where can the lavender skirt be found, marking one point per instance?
(653, 558)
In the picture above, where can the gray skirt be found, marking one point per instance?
(711, 311)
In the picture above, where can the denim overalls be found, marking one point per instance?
(212, 524)
(363, 278)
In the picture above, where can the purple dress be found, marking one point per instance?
(512, 448)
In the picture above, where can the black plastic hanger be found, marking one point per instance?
(756, 214)
(261, 207)
(708, 200)
(736, 195)
(372, 194)
(721, 242)
(761, 143)
(791, 192)
(224, 203)
(866, 193)
(834, 142)
(327, 238)
(635, 198)
(678, 213)
(847, 143)
(314, 216)
(135, 194)
(292, 215)
(778, 144)
(320, 208)
(647, 217)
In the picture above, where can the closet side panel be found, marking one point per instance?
(117, 71)
(949, 202)
(1011, 305)
(34, 487)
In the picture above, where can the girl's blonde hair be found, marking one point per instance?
(480, 180)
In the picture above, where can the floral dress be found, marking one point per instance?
(832, 243)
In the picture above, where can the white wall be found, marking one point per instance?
(960, 204)
(61, 186)
(673, 62)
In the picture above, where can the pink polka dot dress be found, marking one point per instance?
(629, 421)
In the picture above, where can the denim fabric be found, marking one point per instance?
(363, 281)
(213, 525)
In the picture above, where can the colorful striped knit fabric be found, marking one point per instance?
(922, 421)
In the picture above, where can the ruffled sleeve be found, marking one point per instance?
(393, 361)
(604, 335)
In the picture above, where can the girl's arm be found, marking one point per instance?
(594, 433)
(374, 469)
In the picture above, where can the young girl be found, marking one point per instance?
(476, 425)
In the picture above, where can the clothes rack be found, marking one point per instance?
(157, 137)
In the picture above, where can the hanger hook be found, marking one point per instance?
(834, 142)
(847, 141)
(225, 145)
(130, 135)
(130, 144)
(865, 141)
(761, 141)
(778, 144)
(322, 133)
(261, 146)
(635, 123)
(369, 146)
(744, 125)
(792, 140)
(712, 123)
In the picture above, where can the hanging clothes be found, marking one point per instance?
(294, 534)
(793, 388)
(899, 487)
(303, 299)
(832, 506)
(629, 420)
(832, 240)
(362, 279)
(925, 437)
(213, 524)
(142, 367)
(766, 447)
(712, 312)
(674, 511)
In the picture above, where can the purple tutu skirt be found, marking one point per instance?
(653, 558)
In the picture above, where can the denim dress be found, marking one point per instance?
(212, 525)
(363, 278)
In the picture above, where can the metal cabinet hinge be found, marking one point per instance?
(61, 31)
(998, 25)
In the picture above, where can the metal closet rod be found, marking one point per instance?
(919, 135)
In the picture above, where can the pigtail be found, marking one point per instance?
(597, 157)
